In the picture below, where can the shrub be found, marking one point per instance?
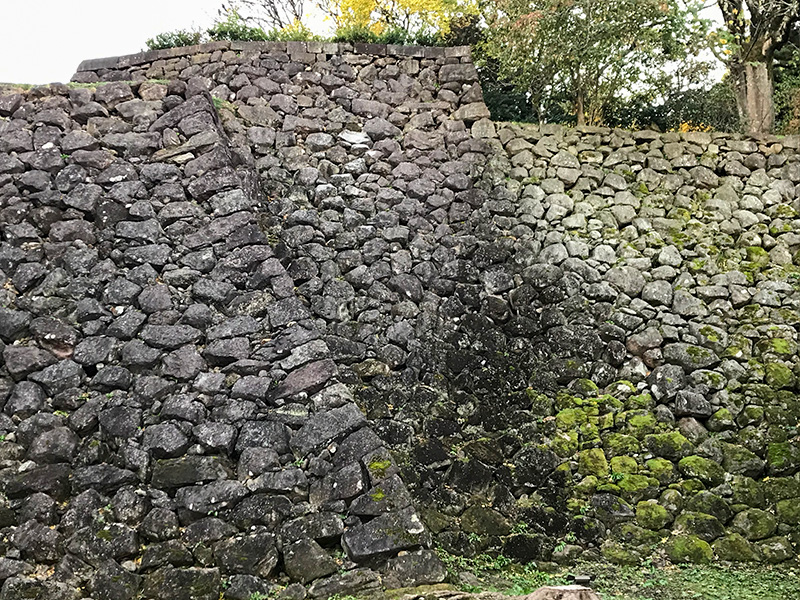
(787, 90)
(395, 35)
(296, 32)
(234, 29)
(174, 39)
(362, 33)
(697, 110)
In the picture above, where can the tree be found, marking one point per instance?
(589, 51)
(754, 31)
(268, 14)
(413, 18)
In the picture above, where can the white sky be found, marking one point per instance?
(43, 41)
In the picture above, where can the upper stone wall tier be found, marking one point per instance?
(168, 63)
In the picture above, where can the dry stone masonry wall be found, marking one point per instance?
(301, 313)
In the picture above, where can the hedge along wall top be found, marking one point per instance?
(294, 333)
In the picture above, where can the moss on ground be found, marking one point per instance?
(623, 582)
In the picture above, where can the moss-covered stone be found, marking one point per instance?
(570, 418)
(672, 500)
(609, 403)
(584, 387)
(564, 443)
(661, 469)
(778, 345)
(721, 420)
(609, 488)
(754, 524)
(485, 521)
(779, 415)
(435, 520)
(706, 527)
(624, 464)
(671, 445)
(640, 423)
(541, 404)
(750, 415)
(739, 460)
(757, 256)
(640, 401)
(637, 487)
(705, 470)
(734, 548)
(747, 491)
(593, 462)
(632, 534)
(651, 515)
(689, 549)
(620, 444)
(783, 458)
(689, 486)
(775, 550)
(710, 504)
(586, 486)
(780, 488)
(563, 470)
(779, 376)
(620, 554)
(789, 511)
(589, 434)
(605, 422)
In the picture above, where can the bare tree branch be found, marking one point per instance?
(273, 14)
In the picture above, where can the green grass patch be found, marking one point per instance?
(644, 582)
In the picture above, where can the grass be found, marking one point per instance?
(645, 582)
(74, 85)
(4, 85)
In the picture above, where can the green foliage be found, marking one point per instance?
(297, 32)
(713, 107)
(409, 21)
(363, 34)
(234, 28)
(640, 582)
(787, 90)
(231, 26)
(392, 35)
(174, 39)
(505, 102)
(584, 53)
(220, 104)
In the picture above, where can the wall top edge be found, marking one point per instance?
(131, 60)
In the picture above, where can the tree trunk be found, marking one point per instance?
(753, 87)
(580, 109)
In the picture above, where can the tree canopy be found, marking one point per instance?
(588, 51)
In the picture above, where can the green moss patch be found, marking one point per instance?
(689, 549)
(593, 462)
(652, 516)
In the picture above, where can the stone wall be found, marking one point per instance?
(218, 59)
(301, 310)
